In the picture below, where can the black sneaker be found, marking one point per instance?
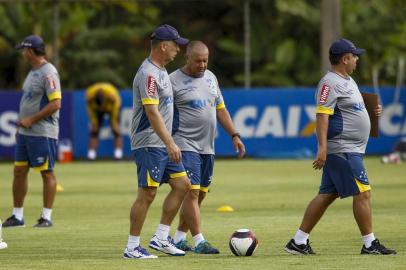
(377, 248)
(43, 223)
(295, 249)
(13, 222)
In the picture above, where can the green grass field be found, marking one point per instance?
(269, 197)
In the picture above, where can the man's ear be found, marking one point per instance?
(163, 45)
(345, 58)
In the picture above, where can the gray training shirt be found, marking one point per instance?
(151, 86)
(349, 125)
(196, 101)
(41, 86)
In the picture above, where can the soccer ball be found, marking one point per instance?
(243, 242)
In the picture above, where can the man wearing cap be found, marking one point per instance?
(342, 127)
(156, 155)
(37, 135)
(198, 105)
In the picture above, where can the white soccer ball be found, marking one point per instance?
(243, 242)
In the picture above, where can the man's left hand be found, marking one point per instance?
(378, 110)
(239, 146)
(25, 122)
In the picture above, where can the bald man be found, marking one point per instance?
(198, 105)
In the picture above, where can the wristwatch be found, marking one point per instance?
(235, 135)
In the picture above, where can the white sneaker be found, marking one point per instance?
(138, 253)
(165, 246)
(3, 245)
(118, 153)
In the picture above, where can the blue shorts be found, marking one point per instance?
(199, 168)
(154, 167)
(36, 152)
(344, 174)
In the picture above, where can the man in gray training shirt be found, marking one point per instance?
(156, 155)
(198, 104)
(37, 135)
(342, 127)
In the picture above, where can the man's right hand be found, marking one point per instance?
(320, 159)
(174, 152)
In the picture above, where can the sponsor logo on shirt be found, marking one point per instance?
(325, 91)
(201, 103)
(151, 86)
(51, 82)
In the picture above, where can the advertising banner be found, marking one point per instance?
(9, 103)
(273, 122)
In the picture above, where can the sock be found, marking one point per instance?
(133, 242)
(198, 238)
(118, 153)
(18, 213)
(179, 236)
(162, 232)
(46, 213)
(368, 239)
(91, 154)
(301, 237)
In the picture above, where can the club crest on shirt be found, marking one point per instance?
(151, 86)
(187, 81)
(358, 106)
(325, 91)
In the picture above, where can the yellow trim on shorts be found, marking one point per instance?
(324, 110)
(204, 189)
(220, 106)
(151, 182)
(362, 187)
(149, 101)
(176, 175)
(21, 163)
(195, 187)
(41, 168)
(55, 95)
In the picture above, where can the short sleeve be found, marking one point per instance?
(53, 86)
(219, 100)
(149, 90)
(326, 98)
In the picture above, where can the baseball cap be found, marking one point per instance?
(167, 32)
(343, 45)
(32, 41)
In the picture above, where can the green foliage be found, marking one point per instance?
(378, 26)
(107, 40)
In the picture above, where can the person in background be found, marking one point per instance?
(38, 130)
(103, 99)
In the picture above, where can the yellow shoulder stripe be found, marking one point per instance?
(220, 106)
(149, 101)
(55, 95)
(324, 110)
